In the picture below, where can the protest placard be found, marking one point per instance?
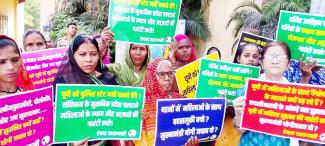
(304, 33)
(186, 76)
(43, 65)
(26, 118)
(218, 78)
(179, 119)
(292, 110)
(247, 38)
(97, 111)
(144, 22)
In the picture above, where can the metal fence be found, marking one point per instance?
(3, 23)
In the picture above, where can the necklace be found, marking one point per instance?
(17, 89)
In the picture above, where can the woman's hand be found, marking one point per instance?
(192, 141)
(306, 68)
(107, 36)
(239, 105)
(172, 55)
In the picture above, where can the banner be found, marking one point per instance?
(97, 111)
(186, 76)
(221, 79)
(26, 119)
(246, 38)
(304, 33)
(179, 119)
(43, 65)
(144, 22)
(292, 110)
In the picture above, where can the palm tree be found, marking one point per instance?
(193, 12)
(263, 19)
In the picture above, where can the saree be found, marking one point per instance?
(153, 93)
(125, 72)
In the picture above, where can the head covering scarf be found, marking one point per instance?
(153, 93)
(125, 72)
(23, 81)
(181, 37)
(72, 73)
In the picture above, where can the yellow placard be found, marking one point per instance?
(187, 76)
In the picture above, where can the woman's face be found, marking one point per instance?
(34, 42)
(275, 61)
(87, 57)
(138, 54)
(10, 63)
(165, 76)
(249, 56)
(183, 52)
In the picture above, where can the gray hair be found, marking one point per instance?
(164, 62)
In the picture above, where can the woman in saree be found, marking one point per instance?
(13, 76)
(83, 65)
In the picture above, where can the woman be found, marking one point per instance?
(34, 40)
(132, 72)
(248, 54)
(275, 61)
(182, 52)
(83, 65)
(159, 79)
(13, 77)
(103, 48)
(212, 50)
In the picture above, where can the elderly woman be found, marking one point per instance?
(34, 40)
(159, 80)
(13, 76)
(275, 61)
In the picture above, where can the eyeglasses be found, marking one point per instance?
(278, 57)
(164, 74)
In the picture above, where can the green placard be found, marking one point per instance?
(144, 21)
(222, 79)
(98, 112)
(304, 34)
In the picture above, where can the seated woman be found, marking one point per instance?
(275, 61)
(34, 40)
(13, 77)
(159, 80)
(83, 65)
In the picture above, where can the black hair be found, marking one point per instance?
(6, 41)
(216, 49)
(72, 23)
(241, 48)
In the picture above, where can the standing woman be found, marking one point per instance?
(83, 65)
(248, 54)
(275, 60)
(34, 40)
(13, 77)
(182, 52)
(133, 71)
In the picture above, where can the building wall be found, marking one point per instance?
(8, 7)
(222, 38)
